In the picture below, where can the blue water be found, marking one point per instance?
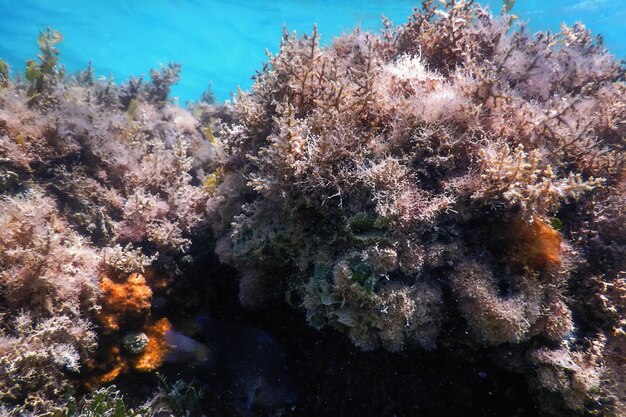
(224, 42)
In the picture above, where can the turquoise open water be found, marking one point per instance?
(225, 41)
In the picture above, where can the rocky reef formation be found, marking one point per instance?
(453, 181)
(450, 189)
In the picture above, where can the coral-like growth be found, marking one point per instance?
(37, 358)
(45, 267)
(123, 172)
(515, 177)
(49, 290)
(398, 185)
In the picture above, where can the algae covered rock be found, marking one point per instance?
(405, 187)
(135, 343)
(93, 194)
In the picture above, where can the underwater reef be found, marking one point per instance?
(399, 219)
(100, 199)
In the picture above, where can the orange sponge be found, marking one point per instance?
(537, 244)
(121, 299)
(156, 349)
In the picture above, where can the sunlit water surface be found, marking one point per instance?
(224, 42)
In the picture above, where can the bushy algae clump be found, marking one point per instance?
(405, 188)
(99, 198)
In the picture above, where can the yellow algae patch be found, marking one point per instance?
(208, 134)
(212, 180)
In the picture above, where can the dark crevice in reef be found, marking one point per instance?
(334, 378)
